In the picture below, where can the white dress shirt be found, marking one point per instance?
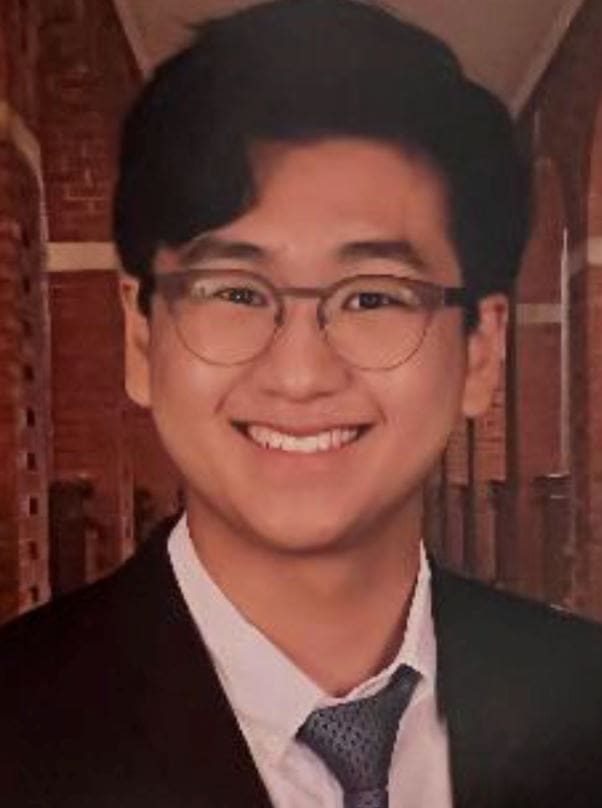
(272, 698)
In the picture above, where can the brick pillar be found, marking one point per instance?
(538, 375)
(24, 357)
(595, 457)
(562, 115)
(24, 426)
(86, 77)
(91, 443)
(587, 380)
(490, 466)
(460, 524)
(586, 314)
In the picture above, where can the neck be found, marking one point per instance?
(339, 615)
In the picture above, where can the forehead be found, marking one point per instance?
(347, 176)
(314, 200)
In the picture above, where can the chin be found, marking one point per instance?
(304, 536)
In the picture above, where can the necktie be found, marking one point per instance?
(355, 740)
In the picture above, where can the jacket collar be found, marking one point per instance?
(506, 685)
(192, 733)
(189, 727)
(183, 714)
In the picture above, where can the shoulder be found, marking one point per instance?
(458, 600)
(68, 674)
(72, 628)
(76, 647)
(520, 686)
(57, 666)
(56, 647)
(497, 642)
(53, 619)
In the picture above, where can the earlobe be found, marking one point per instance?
(486, 353)
(137, 343)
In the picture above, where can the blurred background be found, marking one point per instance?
(517, 500)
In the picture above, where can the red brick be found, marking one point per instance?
(87, 78)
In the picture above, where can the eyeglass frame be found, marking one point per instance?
(446, 297)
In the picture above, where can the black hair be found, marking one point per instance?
(295, 70)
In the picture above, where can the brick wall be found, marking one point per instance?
(562, 113)
(562, 117)
(19, 25)
(88, 405)
(87, 78)
(24, 365)
(543, 443)
(589, 441)
(66, 69)
(155, 478)
(538, 374)
(23, 407)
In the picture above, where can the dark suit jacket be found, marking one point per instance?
(108, 700)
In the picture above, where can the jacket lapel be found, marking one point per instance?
(190, 732)
(507, 695)
(184, 717)
(519, 687)
(486, 721)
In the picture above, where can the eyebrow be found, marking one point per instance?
(398, 250)
(402, 251)
(207, 248)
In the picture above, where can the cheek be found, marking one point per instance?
(174, 378)
(423, 398)
(185, 392)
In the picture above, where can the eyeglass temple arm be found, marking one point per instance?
(458, 296)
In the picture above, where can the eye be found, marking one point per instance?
(242, 296)
(402, 297)
(369, 300)
(203, 290)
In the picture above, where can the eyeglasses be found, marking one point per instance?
(374, 322)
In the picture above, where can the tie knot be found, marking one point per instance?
(355, 739)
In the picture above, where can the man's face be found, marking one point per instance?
(314, 200)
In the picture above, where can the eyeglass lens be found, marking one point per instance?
(230, 317)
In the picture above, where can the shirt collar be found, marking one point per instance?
(266, 690)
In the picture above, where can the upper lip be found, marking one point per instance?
(301, 431)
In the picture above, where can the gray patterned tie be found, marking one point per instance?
(355, 740)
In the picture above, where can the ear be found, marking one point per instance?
(486, 352)
(137, 343)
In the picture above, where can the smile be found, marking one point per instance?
(323, 441)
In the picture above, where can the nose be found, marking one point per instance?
(300, 365)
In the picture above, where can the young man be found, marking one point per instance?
(320, 219)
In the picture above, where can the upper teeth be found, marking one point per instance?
(308, 444)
